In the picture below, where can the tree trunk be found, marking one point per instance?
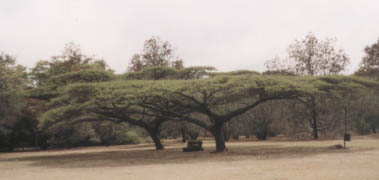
(374, 130)
(219, 138)
(315, 131)
(183, 132)
(314, 119)
(157, 141)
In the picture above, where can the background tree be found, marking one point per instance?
(268, 119)
(71, 59)
(366, 110)
(17, 127)
(369, 65)
(49, 79)
(155, 53)
(311, 57)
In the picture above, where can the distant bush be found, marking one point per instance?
(87, 134)
(363, 127)
(131, 137)
(116, 134)
(261, 128)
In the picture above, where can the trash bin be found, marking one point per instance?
(347, 137)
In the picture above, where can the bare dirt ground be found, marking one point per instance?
(244, 160)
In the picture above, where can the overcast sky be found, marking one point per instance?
(230, 35)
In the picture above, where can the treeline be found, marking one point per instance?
(77, 100)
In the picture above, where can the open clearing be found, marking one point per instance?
(244, 160)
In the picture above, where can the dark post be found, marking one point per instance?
(346, 136)
(344, 139)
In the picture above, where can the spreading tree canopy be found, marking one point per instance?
(208, 103)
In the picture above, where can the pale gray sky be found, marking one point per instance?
(230, 35)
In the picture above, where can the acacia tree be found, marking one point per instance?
(346, 92)
(369, 65)
(223, 98)
(216, 101)
(116, 101)
(208, 103)
(311, 57)
(155, 53)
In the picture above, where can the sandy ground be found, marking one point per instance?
(244, 160)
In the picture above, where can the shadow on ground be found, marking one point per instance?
(174, 154)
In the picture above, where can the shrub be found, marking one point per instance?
(363, 127)
(132, 137)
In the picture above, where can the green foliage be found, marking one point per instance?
(72, 136)
(373, 121)
(145, 102)
(363, 127)
(17, 128)
(81, 76)
(12, 76)
(338, 86)
(114, 134)
(234, 73)
(152, 73)
(131, 137)
(55, 84)
(88, 134)
(370, 62)
(51, 78)
(168, 73)
(279, 73)
(367, 121)
(195, 72)
(182, 129)
(261, 128)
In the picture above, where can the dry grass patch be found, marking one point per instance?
(270, 160)
(135, 155)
